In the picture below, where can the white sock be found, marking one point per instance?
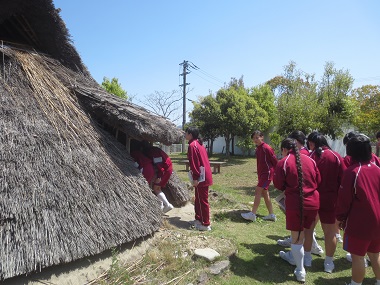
(308, 254)
(354, 283)
(162, 197)
(329, 259)
(298, 255)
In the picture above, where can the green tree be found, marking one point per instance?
(367, 117)
(114, 87)
(333, 96)
(297, 101)
(240, 113)
(265, 98)
(206, 115)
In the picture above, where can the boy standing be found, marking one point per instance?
(266, 162)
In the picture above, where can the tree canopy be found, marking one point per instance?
(113, 86)
(367, 117)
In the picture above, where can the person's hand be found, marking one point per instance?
(158, 180)
(195, 183)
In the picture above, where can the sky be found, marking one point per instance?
(143, 42)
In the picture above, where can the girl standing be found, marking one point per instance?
(330, 165)
(358, 209)
(202, 179)
(300, 140)
(298, 175)
(266, 161)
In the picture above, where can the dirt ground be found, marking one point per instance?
(87, 269)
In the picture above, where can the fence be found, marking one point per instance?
(172, 148)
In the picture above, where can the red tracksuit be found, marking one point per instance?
(162, 163)
(145, 165)
(304, 151)
(266, 162)
(197, 156)
(331, 167)
(359, 201)
(348, 160)
(286, 179)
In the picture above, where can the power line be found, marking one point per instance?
(208, 80)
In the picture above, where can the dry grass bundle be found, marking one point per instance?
(68, 189)
(52, 96)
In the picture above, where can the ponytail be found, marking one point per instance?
(290, 143)
(319, 141)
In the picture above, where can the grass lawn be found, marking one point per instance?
(250, 246)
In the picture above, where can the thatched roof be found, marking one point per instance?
(67, 188)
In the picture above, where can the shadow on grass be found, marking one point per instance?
(268, 267)
(235, 216)
(250, 190)
(326, 281)
(261, 267)
(276, 237)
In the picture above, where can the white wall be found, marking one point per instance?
(220, 145)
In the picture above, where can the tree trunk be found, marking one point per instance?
(227, 139)
(233, 145)
(211, 148)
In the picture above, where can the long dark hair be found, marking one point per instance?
(298, 136)
(359, 148)
(290, 144)
(349, 136)
(319, 141)
(194, 131)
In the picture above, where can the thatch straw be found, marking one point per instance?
(61, 200)
(67, 188)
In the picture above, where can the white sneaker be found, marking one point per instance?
(339, 238)
(329, 267)
(285, 242)
(287, 256)
(300, 275)
(317, 249)
(201, 227)
(307, 261)
(349, 258)
(249, 216)
(270, 217)
(168, 208)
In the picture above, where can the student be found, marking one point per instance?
(330, 165)
(202, 179)
(348, 162)
(163, 169)
(266, 161)
(348, 159)
(300, 139)
(144, 164)
(358, 209)
(297, 174)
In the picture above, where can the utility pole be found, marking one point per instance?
(185, 71)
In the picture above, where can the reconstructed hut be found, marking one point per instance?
(68, 188)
